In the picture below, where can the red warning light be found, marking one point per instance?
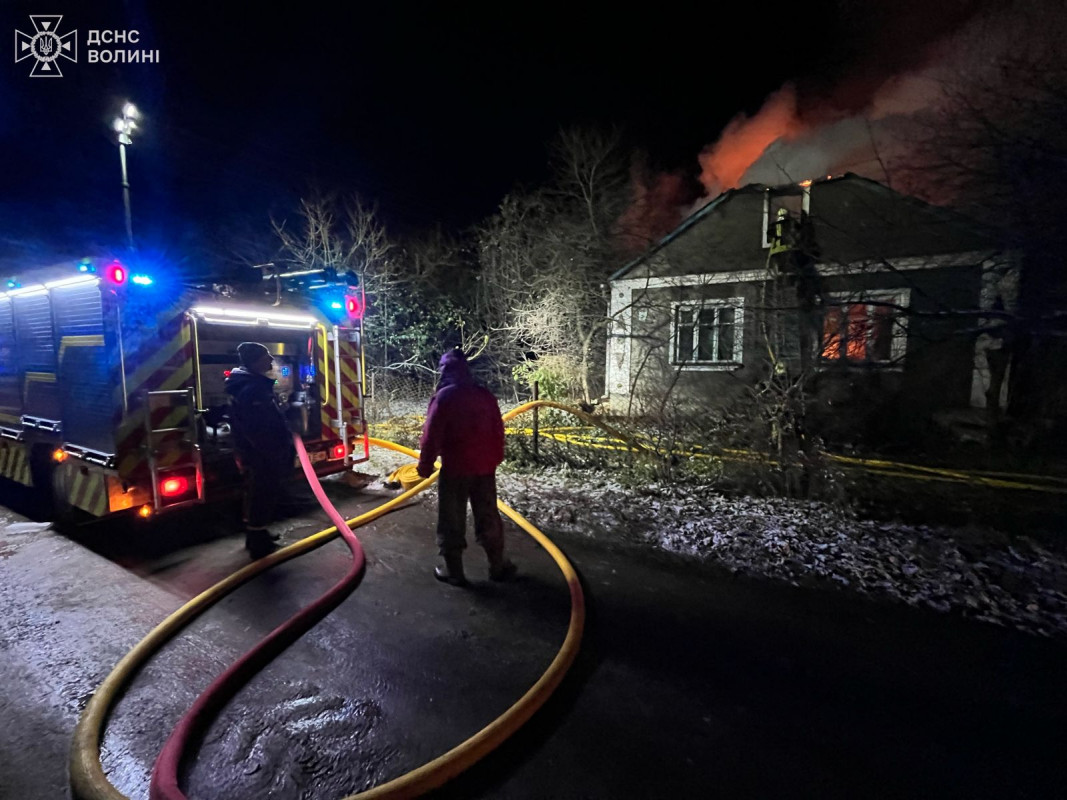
(354, 306)
(116, 273)
(338, 451)
(172, 487)
(227, 372)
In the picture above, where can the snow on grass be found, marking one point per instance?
(983, 573)
(977, 571)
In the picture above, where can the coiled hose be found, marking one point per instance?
(164, 783)
(87, 778)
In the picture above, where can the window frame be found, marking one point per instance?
(898, 343)
(737, 356)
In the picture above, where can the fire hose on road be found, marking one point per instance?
(164, 784)
(87, 778)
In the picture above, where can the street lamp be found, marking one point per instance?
(124, 127)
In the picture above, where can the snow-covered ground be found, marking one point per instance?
(981, 572)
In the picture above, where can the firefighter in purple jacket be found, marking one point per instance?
(463, 427)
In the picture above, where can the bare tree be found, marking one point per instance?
(423, 300)
(546, 255)
(335, 236)
(997, 147)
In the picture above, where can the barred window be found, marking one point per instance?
(707, 333)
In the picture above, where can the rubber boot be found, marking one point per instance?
(504, 570)
(500, 567)
(451, 572)
(259, 543)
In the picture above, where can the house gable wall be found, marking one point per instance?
(870, 238)
(725, 239)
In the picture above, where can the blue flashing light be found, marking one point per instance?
(285, 372)
(141, 280)
(85, 266)
(13, 284)
(336, 305)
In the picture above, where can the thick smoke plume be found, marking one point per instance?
(865, 122)
(657, 204)
(908, 67)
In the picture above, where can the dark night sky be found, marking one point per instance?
(435, 112)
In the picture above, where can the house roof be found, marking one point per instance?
(932, 212)
(687, 223)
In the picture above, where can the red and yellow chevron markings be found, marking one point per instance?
(81, 487)
(94, 490)
(15, 462)
(326, 392)
(349, 357)
(168, 367)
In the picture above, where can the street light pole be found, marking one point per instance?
(126, 192)
(124, 127)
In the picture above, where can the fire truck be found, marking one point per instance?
(112, 396)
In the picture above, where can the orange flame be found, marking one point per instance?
(745, 139)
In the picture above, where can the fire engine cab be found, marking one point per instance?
(112, 385)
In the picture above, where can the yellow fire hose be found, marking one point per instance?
(407, 476)
(880, 467)
(87, 778)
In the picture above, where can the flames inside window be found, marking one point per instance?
(858, 332)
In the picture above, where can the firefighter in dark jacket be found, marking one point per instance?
(262, 440)
(463, 427)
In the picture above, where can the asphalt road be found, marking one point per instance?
(690, 683)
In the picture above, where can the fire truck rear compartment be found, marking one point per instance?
(216, 357)
(112, 398)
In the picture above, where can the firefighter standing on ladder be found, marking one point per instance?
(263, 443)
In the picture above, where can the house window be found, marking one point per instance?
(708, 333)
(868, 331)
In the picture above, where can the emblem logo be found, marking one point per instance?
(46, 46)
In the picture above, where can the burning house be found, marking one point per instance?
(881, 304)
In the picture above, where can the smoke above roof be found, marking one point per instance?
(867, 121)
